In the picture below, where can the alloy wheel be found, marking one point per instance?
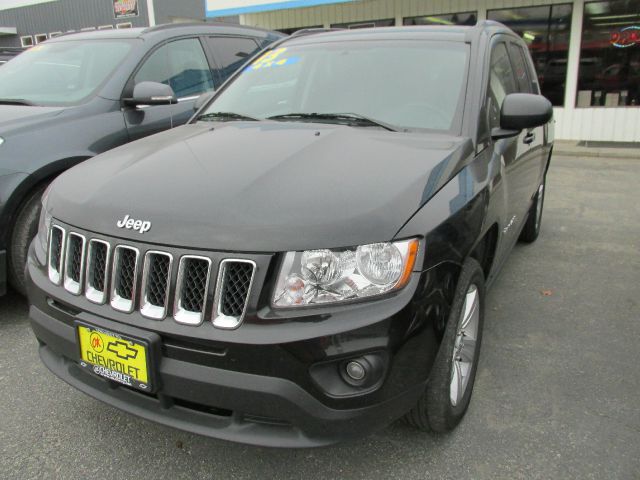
(464, 348)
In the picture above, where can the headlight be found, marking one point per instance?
(45, 223)
(323, 276)
(1, 140)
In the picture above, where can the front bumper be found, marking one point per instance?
(268, 411)
(261, 394)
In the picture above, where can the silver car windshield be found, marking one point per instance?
(400, 83)
(60, 73)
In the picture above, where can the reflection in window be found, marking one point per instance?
(411, 84)
(609, 72)
(501, 83)
(231, 53)
(180, 64)
(389, 22)
(61, 73)
(545, 30)
(463, 18)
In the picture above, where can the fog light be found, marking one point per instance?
(355, 370)
(351, 376)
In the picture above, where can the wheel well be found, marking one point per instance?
(485, 249)
(35, 180)
(20, 197)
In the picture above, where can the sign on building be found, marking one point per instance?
(223, 8)
(125, 8)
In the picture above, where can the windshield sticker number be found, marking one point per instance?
(272, 59)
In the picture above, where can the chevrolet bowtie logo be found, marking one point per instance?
(122, 350)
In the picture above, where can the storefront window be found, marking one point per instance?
(546, 31)
(389, 22)
(463, 18)
(609, 72)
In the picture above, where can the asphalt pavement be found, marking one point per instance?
(557, 393)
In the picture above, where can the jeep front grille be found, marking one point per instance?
(125, 275)
(56, 254)
(74, 260)
(97, 264)
(156, 280)
(128, 279)
(235, 278)
(191, 289)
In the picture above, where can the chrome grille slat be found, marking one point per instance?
(108, 274)
(73, 263)
(124, 278)
(156, 280)
(192, 287)
(98, 256)
(55, 258)
(233, 287)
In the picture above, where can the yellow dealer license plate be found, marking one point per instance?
(114, 356)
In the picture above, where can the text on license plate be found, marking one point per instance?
(114, 356)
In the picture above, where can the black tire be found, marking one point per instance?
(531, 228)
(435, 411)
(24, 230)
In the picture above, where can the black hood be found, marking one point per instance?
(260, 186)
(15, 116)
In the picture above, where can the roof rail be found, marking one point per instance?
(311, 31)
(169, 26)
(12, 49)
(489, 23)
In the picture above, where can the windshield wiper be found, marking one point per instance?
(344, 117)
(16, 101)
(225, 116)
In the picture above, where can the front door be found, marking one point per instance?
(513, 151)
(183, 66)
(536, 155)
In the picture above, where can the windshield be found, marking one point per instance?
(405, 84)
(60, 73)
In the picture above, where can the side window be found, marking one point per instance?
(182, 65)
(231, 52)
(501, 83)
(520, 68)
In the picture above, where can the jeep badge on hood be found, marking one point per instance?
(131, 224)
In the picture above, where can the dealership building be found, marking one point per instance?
(587, 53)
(24, 23)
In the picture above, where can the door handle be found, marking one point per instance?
(529, 138)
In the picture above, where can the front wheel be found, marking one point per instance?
(24, 229)
(450, 384)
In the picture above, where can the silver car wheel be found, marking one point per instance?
(464, 348)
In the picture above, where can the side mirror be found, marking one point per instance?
(201, 100)
(520, 111)
(152, 93)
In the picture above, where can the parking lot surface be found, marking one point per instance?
(557, 393)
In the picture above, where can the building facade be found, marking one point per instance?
(24, 23)
(587, 53)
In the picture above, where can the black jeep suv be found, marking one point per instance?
(75, 96)
(306, 260)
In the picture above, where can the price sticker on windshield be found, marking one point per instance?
(274, 58)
